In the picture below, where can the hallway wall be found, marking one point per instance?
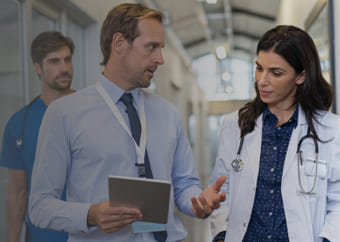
(295, 12)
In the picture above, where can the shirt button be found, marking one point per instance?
(274, 148)
(270, 213)
(269, 237)
(272, 169)
(279, 128)
(271, 191)
(244, 224)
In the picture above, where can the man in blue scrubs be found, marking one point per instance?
(52, 58)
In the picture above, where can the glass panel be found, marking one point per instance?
(319, 31)
(76, 33)
(10, 61)
(207, 71)
(214, 126)
(236, 75)
(40, 23)
(227, 79)
(11, 91)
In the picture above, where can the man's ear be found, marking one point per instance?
(38, 68)
(118, 43)
(300, 79)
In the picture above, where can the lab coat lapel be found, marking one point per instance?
(298, 132)
(252, 150)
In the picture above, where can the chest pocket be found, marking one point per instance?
(311, 166)
(315, 168)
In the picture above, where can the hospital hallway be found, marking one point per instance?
(209, 62)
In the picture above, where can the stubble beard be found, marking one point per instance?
(63, 85)
(143, 80)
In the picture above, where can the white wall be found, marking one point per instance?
(295, 12)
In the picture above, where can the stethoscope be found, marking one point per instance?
(300, 162)
(237, 164)
(19, 141)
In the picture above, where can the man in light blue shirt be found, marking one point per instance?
(85, 137)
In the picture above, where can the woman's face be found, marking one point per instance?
(276, 80)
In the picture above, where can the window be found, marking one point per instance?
(11, 91)
(76, 33)
(227, 79)
(40, 23)
(207, 71)
(19, 22)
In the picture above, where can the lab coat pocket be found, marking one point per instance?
(315, 168)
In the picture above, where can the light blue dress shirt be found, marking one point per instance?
(81, 143)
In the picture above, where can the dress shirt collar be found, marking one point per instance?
(116, 92)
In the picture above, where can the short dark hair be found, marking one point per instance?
(47, 42)
(124, 19)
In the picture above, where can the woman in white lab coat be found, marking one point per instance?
(281, 151)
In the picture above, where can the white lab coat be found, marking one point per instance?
(308, 217)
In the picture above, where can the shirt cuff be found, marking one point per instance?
(79, 215)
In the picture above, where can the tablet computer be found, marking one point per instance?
(149, 195)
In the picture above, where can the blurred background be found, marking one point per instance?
(209, 60)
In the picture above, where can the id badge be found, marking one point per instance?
(140, 227)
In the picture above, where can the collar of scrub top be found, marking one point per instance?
(111, 93)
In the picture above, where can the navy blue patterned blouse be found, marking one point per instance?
(268, 221)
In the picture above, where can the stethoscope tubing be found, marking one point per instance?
(237, 164)
(19, 141)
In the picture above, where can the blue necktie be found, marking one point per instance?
(136, 128)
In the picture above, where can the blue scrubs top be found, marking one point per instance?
(14, 158)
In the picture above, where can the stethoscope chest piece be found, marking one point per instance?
(237, 164)
(19, 143)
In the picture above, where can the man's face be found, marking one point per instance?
(56, 70)
(144, 54)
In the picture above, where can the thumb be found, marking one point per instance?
(219, 182)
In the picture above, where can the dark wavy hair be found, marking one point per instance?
(298, 49)
(124, 19)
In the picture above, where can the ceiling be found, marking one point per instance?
(197, 26)
(200, 26)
